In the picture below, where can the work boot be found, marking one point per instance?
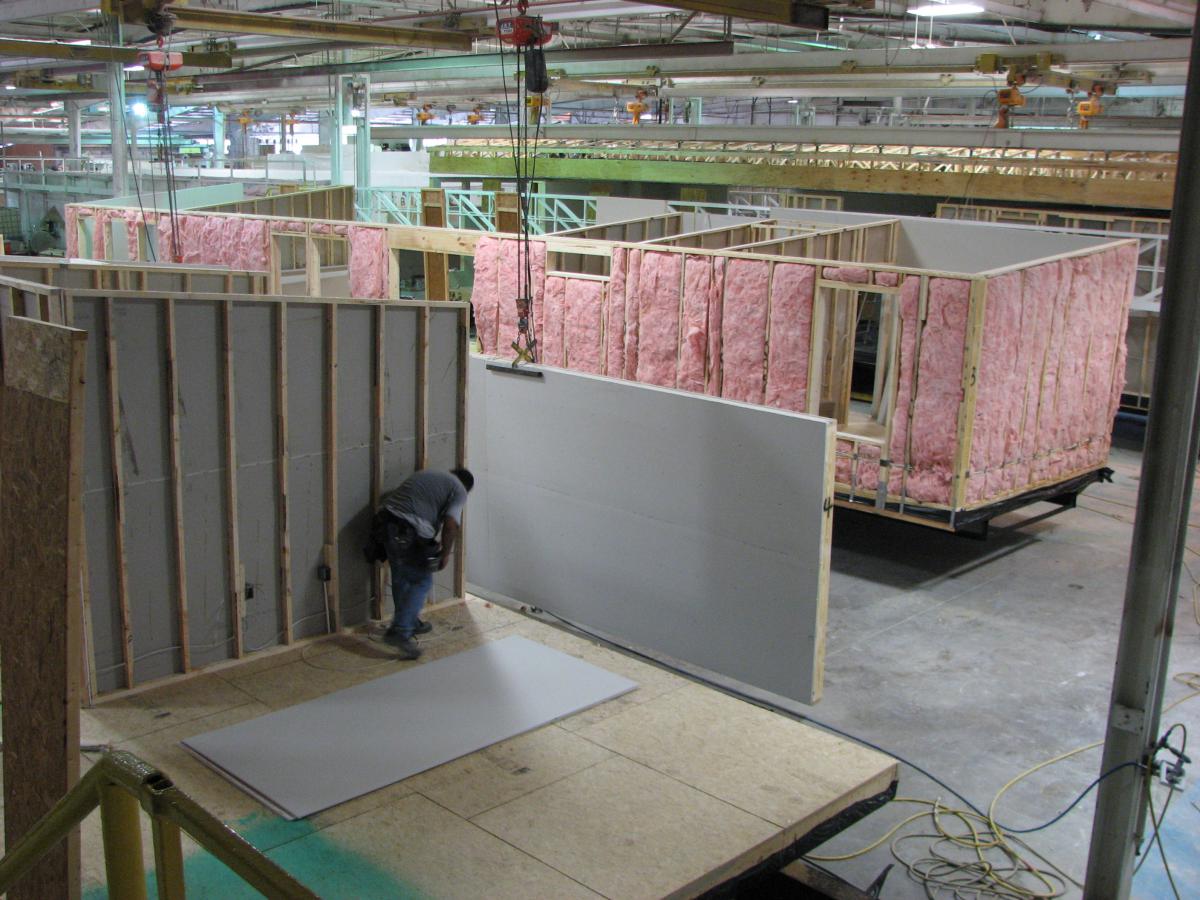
(406, 645)
(422, 628)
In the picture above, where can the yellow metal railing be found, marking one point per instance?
(119, 783)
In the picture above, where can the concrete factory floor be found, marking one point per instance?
(977, 660)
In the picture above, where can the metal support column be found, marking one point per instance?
(218, 118)
(116, 125)
(339, 119)
(74, 137)
(362, 134)
(1159, 533)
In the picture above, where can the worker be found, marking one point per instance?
(416, 529)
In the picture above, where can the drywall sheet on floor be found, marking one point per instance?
(691, 526)
(385, 730)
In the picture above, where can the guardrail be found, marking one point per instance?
(119, 783)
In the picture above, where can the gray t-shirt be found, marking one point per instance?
(425, 499)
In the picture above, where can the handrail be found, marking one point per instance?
(118, 784)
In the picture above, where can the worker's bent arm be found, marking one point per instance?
(450, 532)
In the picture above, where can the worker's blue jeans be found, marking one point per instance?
(410, 587)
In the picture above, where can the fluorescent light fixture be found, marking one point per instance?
(84, 41)
(135, 68)
(793, 102)
(140, 109)
(930, 10)
(10, 87)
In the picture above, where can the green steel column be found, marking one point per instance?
(339, 119)
(74, 108)
(218, 117)
(362, 138)
(116, 124)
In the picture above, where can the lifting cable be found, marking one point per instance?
(526, 35)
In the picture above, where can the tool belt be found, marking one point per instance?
(409, 547)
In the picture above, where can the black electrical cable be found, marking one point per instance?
(763, 704)
(1073, 803)
(113, 40)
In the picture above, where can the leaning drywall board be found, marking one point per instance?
(691, 526)
(314, 755)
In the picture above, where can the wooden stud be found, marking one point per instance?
(232, 545)
(282, 461)
(972, 346)
(378, 398)
(422, 415)
(331, 466)
(312, 266)
(460, 439)
(116, 449)
(176, 470)
(816, 356)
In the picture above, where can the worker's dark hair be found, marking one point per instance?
(465, 476)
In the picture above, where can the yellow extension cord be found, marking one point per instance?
(983, 860)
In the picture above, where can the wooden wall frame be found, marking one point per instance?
(101, 308)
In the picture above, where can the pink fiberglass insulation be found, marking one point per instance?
(132, 237)
(1094, 323)
(928, 441)
(889, 278)
(538, 294)
(633, 282)
(512, 281)
(552, 343)
(909, 300)
(100, 230)
(744, 330)
(583, 324)
(72, 226)
(1004, 363)
(790, 333)
(848, 274)
(658, 318)
(693, 349)
(716, 310)
(1069, 452)
(614, 362)
(368, 262)
(255, 249)
(485, 301)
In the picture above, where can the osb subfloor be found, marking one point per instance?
(670, 786)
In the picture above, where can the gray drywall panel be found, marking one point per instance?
(200, 363)
(687, 525)
(141, 353)
(396, 726)
(971, 247)
(618, 209)
(400, 395)
(306, 458)
(399, 403)
(167, 280)
(98, 501)
(255, 416)
(441, 442)
(213, 283)
(355, 411)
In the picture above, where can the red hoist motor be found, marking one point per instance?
(522, 30)
(160, 62)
